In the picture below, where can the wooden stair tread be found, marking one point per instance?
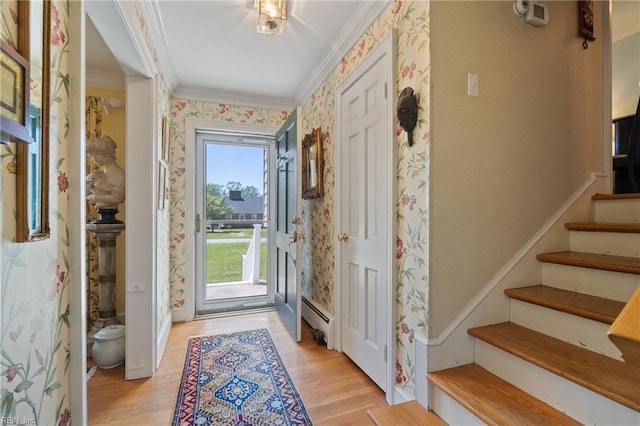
(626, 196)
(629, 228)
(406, 413)
(494, 400)
(609, 377)
(583, 305)
(595, 261)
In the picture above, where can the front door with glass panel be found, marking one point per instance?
(232, 235)
(287, 280)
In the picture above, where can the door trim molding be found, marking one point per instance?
(607, 91)
(141, 313)
(191, 126)
(386, 48)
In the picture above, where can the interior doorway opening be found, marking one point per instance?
(233, 237)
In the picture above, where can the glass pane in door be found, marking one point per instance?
(236, 211)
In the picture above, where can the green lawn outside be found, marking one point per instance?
(224, 261)
(234, 233)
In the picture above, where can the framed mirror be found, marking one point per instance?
(32, 160)
(312, 165)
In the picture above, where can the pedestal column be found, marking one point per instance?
(106, 233)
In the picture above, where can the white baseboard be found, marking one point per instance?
(180, 315)
(401, 395)
(319, 318)
(422, 384)
(163, 339)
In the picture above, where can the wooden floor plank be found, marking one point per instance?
(405, 414)
(333, 389)
(583, 305)
(493, 400)
(609, 377)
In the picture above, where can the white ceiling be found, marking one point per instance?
(210, 50)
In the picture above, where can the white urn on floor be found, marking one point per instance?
(108, 346)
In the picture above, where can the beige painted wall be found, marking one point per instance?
(504, 162)
(113, 124)
(626, 75)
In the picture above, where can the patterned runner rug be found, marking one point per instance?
(237, 379)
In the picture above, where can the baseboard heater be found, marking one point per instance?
(318, 318)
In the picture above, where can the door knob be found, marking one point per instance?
(343, 237)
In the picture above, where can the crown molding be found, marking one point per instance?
(216, 96)
(105, 80)
(366, 14)
(160, 42)
(116, 23)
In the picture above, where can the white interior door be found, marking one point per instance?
(287, 291)
(364, 217)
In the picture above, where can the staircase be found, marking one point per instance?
(552, 362)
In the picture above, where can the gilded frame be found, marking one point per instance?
(312, 165)
(32, 160)
(14, 99)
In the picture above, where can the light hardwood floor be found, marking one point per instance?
(333, 389)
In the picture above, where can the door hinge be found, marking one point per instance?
(385, 96)
(198, 222)
(385, 353)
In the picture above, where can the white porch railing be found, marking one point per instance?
(251, 260)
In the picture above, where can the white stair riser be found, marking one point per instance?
(622, 211)
(450, 410)
(573, 329)
(611, 243)
(611, 285)
(577, 402)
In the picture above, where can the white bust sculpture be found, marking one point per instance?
(105, 187)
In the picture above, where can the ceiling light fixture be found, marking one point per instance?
(272, 16)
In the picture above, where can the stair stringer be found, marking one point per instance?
(454, 347)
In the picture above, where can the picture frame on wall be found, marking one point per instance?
(165, 139)
(162, 187)
(312, 165)
(14, 96)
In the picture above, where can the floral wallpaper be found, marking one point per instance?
(181, 110)
(163, 229)
(411, 21)
(34, 315)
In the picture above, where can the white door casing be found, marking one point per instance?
(365, 191)
(117, 23)
(192, 126)
(141, 241)
(204, 305)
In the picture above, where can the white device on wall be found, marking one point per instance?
(534, 12)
